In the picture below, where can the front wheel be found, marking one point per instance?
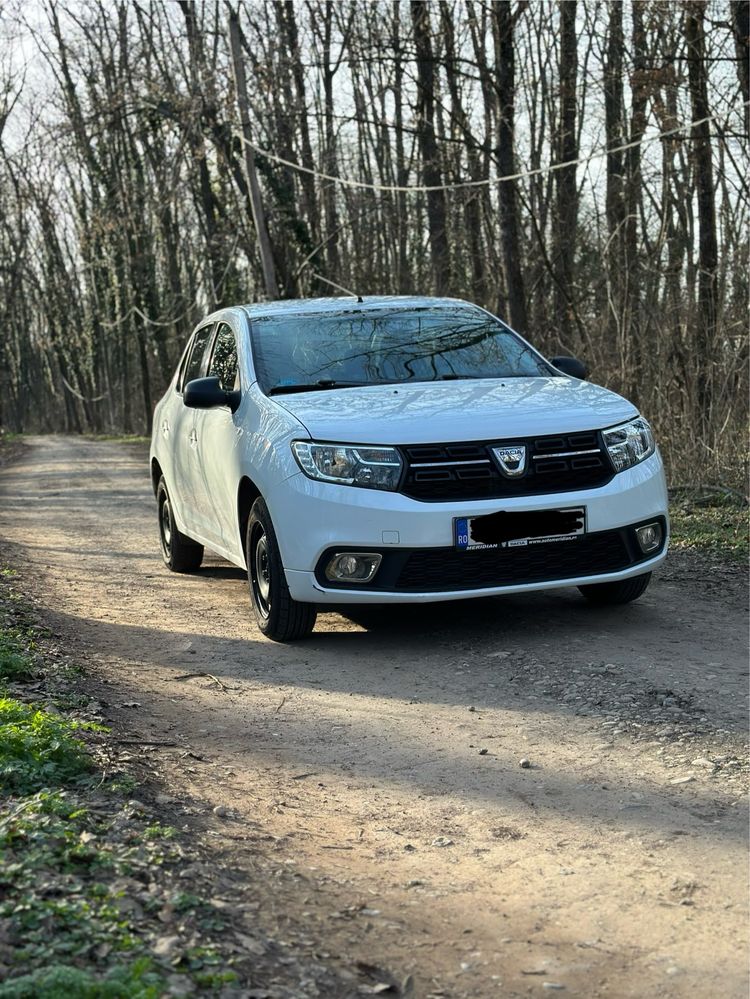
(277, 615)
(622, 592)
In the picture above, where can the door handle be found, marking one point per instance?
(165, 428)
(193, 438)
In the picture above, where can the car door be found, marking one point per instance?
(183, 436)
(218, 431)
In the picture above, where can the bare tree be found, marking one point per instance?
(126, 214)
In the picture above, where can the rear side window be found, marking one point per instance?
(224, 359)
(194, 367)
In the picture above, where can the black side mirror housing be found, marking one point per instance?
(571, 366)
(207, 393)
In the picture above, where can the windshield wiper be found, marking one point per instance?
(323, 383)
(332, 383)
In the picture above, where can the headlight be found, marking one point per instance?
(629, 443)
(370, 467)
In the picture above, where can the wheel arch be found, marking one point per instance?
(247, 493)
(156, 474)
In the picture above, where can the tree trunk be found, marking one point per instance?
(288, 24)
(461, 125)
(264, 242)
(566, 202)
(631, 320)
(404, 282)
(704, 182)
(332, 219)
(615, 202)
(503, 24)
(741, 25)
(431, 173)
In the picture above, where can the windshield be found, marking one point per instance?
(364, 347)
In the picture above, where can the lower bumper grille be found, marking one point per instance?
(435, 569)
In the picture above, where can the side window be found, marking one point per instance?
(194, 367)
(180, 380)
(224, 359)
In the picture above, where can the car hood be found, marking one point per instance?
(481, 409)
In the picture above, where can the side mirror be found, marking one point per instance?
(207, 393)
(570, 366)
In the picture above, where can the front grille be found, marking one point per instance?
(435, 569)
(469, 471)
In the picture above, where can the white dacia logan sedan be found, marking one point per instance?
(396, 450)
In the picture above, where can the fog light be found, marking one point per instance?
(649, 537)
(353, 567)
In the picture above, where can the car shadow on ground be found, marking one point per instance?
(255, 677)
(509, 617)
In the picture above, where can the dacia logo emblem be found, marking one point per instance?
(512, 460)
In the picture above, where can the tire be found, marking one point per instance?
(602, 594)
(277, 615)
(180, 553)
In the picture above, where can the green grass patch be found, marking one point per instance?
(76, 903)
(123, 784)
(39, 749)
(715, 523)
(51, 863)
(136, 981)
(158, 831)
(67, 875)
(19, 634)
(16, 660)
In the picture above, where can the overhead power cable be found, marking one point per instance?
(339, 287)
(424, 188)
(77, 394)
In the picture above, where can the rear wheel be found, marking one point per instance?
(278, 616)
(616, 593)
(180, 553)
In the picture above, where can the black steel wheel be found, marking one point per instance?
(278, 616)
(180, 553)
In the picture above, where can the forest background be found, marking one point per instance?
(381, 133)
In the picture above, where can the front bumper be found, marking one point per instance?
(416, 540)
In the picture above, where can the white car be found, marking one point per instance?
(399, 450)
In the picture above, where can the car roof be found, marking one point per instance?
(316, 306)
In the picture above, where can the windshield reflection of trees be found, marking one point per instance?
(384, 348)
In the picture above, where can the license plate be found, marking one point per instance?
(518, 529)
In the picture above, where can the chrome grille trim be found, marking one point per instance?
(566, 454)
(444, 464)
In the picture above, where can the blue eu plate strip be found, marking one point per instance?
(462, 532)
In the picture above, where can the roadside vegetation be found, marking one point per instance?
(713, 521)
(89, 896)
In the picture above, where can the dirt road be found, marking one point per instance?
(376, 805)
